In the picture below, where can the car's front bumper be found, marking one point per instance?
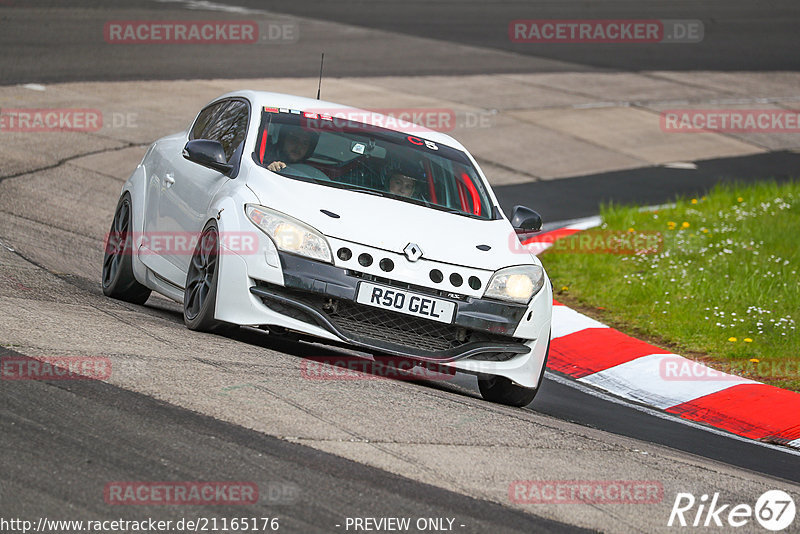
(485, 336)
(325, 295)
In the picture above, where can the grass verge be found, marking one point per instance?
(724, 286)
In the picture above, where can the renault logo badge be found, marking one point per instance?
(412, 252)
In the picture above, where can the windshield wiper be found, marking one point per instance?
(428, 204)
(297, 176)
(446, 209)
(450, 210)
(367, 191)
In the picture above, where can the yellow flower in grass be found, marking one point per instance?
(705, 230)
(732, 339)
(685, 224)
(748, 340)
(754, 360)
(671, 225)
(740, 199)
(564, 288)
(631, 230)
(694, 201)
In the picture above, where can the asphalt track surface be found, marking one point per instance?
(93, 432)
(739, 35)
(62, 460)
(582, 196)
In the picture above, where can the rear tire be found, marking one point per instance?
(501, 390)
(200, 295)
(117, 275)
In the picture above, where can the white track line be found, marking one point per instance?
(644, 379)
(567, 321)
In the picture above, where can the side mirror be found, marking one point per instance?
(526, 220)
(208, 154)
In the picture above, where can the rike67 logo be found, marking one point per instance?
(774, 510)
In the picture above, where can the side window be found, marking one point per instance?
(225, 122)
(203, 120)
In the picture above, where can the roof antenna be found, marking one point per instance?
(319, 87)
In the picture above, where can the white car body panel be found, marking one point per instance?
(375, 221)
(172, 194)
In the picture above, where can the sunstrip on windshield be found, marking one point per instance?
(422, 142)
(329, 122)
(268, 109)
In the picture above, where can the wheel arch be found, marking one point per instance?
(134, 187)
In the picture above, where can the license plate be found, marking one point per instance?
(402, 301)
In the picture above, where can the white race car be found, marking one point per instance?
(286, 213)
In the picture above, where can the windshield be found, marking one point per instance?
(368, 159)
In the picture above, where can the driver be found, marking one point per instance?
(295, 144)
(405, 177)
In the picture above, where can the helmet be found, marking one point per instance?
(412, 173)
(405, 166)
(297, 131)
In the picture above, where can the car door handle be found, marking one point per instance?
(169, 178)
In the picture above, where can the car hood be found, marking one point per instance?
(391, 224)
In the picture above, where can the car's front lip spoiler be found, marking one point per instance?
(458, 353)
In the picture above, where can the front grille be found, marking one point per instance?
(375, 323)
(368, 323)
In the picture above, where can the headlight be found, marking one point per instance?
(516, 284)
(290, 235)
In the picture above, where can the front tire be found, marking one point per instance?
(200, 295)
(117, 276)
(501, 390)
